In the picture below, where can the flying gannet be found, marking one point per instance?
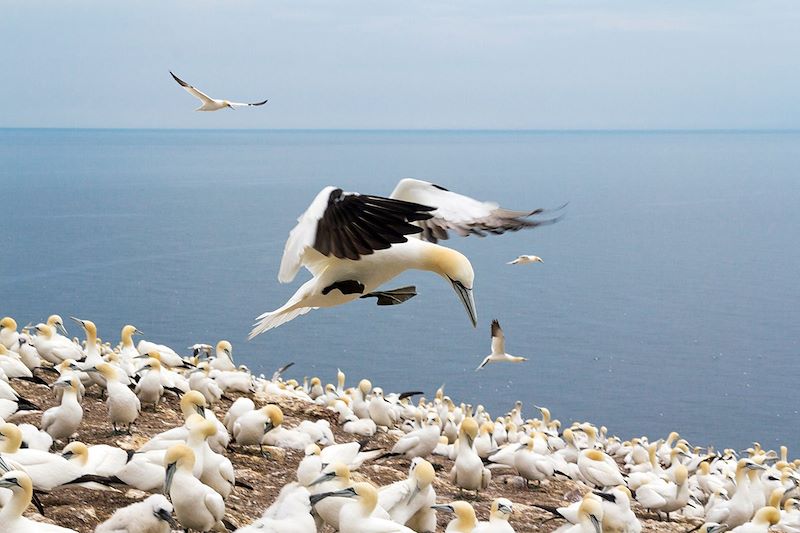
(353, 243)
(211, 104)
(499, 348)
(525, 259)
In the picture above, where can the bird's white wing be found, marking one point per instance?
(347, 226)
(391, 495)
(484, 362)
(462, 214)
(203, 97)
(650, 498)
(498, 339)
(239, 104)
(405, 443)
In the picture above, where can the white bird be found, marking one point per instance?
(211, 104)
(665, 496)
(499, 348)
(46, 470)
(123, 405)
(589, 519)
(289, 513)
(498, 518)
(99, 460)
(153, 515)
(197, 506)
(224, 357)
(63, 420)
(465, 520)
(468, 472)
(409, 501)
(357, 516)
(53, 347)
(420, 442)
(9, 337)
(525, 259)
(21, 487)
(761, 522)
(250, 428)
(354, 243)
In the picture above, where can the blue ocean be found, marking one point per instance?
(668, 298)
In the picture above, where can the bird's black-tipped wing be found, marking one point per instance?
(348, 226)
(462, 214)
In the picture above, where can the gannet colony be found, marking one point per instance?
(139, 438)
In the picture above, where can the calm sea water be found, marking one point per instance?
(668, 300)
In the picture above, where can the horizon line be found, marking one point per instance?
(422, 130)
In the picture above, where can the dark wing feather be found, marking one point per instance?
(354, 225)
(497, 222)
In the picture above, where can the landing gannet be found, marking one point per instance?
(153, 515)
(19, 483)
(211, 104)
(353, 243)
(499, 348)
(525, 259)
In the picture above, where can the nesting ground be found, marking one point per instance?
(82, 509)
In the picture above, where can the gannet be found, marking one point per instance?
(197, 506)
(34, 438)
(200, 380)
(12, 366)
(525, 259)
(250, 428)
(224, 357)
(238, 408)
(153, 515)
(123, 405)
(150, 388)
(465, 520)
(739, 509)
(617, 514)
(47, 470)
(354, 243)
(790, 517)
(99, 460)
(531, 465)
(19, 483)
(761, 522)
(289, 513)
(9, 337)
(358, 517)
(499, 348)
(420, 442)
(498, 518)
(211, 104)
(589, 519)
(665, 496)
(191, 403)
(64, 419)
(55, 348)
(28, 354)
(409, 501)
(468, 472)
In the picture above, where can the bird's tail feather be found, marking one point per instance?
(274, 319)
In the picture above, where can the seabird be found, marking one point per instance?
(525, 259)
(211, 104)
(353, 243)
(499, 348)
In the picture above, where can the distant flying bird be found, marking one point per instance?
(525, 259)
(499, 354)
(210, 104)
(353, 243)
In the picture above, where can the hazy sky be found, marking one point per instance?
(403, 64)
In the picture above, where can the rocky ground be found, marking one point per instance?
(82, 509)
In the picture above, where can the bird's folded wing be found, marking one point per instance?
(498, 338)
(347, 226)
(391, 495)
(650, 498)
(193, 91)
(405, 443)
(461, 214)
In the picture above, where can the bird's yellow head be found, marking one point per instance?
(465, 515)
(10, 438)
(456, 268)
(364, 386)
(423, 472)
(193, 402)
(468, 430)
(76, 451)
(225, 347)
(8, 323)
(274, 416)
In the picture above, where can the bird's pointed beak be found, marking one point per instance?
(598, 527)
(170, 474)
(465, 295)
(443, 507)
(137, 331)
(166, 516)
(77, 320)
(324, 477)
(62, 329)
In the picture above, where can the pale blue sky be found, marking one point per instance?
(536, 64)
